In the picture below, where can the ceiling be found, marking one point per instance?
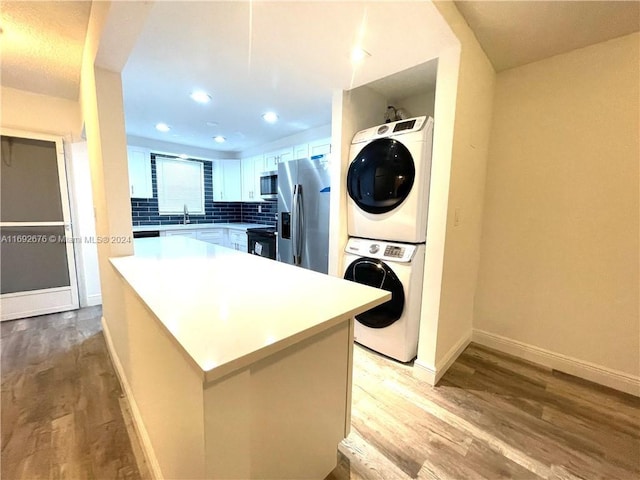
(288, 57)
(283, 56)
(514, 33)
(42, 45)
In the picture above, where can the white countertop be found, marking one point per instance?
(198, 226)
(228, 309)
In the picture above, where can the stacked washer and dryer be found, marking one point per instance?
(388, 186)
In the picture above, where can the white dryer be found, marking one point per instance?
(388, 181)
(391, 328)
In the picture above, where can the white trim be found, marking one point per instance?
(432, 375)
(143, 435)
(32, 224)
(424, 372)
(452, 355)
(34, 292)
(95, 299)
(590, 371)
(36, 302)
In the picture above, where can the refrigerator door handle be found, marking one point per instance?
(300, 218)
(294, 226)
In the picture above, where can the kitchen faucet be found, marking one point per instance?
(185, 219)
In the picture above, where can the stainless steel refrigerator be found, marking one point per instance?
(303, 212)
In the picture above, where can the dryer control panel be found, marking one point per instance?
(380, 249)
(390, 129)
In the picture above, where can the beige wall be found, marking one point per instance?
(453, 248)
(103, 114)
(559, 264)
(32, 112)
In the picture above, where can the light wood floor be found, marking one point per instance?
(492, 416)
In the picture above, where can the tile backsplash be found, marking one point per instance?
(144, 211)
(267, 215)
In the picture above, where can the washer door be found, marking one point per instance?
(380, 177)
(376, 273)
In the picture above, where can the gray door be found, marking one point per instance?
(37, 273)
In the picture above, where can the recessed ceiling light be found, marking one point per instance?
(200, 96)
(162, 127)
(358, 54)
(212, 124)
(220, 139)
(270, 117)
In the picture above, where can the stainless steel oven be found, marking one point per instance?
(269, 185)
(262, 242)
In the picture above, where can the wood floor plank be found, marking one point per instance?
(364, 462)
(61, 415)
(492, 415)
(506, 419)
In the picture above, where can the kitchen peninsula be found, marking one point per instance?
(235, 366)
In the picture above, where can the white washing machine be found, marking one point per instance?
(388, 181)
(391, 328)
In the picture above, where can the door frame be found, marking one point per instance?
(50, 300)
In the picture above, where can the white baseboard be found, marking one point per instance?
(451, 356)
(431, 374)
(573, 366)
(424, 372)
(93, 300)
(147, 448)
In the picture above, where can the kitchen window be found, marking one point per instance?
(180, 183)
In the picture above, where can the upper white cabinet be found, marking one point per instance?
(139, 160)
(272, 159)
(301, 151)
(227, 181)
(252, 167)
(320, 147)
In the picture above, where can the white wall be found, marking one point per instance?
(559, 264)
(305, 136)
(158, 146)
(464, 93)
(84, 225)
(417, 105)
(352, 111)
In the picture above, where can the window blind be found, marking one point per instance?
(180, 183)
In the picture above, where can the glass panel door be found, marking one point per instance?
(37, 268)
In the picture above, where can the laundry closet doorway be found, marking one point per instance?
(37, 264)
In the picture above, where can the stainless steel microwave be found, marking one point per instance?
(269, 185)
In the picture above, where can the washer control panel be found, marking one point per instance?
(380, 249)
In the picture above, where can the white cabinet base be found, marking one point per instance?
(281, 417)
(271, 421)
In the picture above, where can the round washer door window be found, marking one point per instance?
(372, 272)
(380, 177)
